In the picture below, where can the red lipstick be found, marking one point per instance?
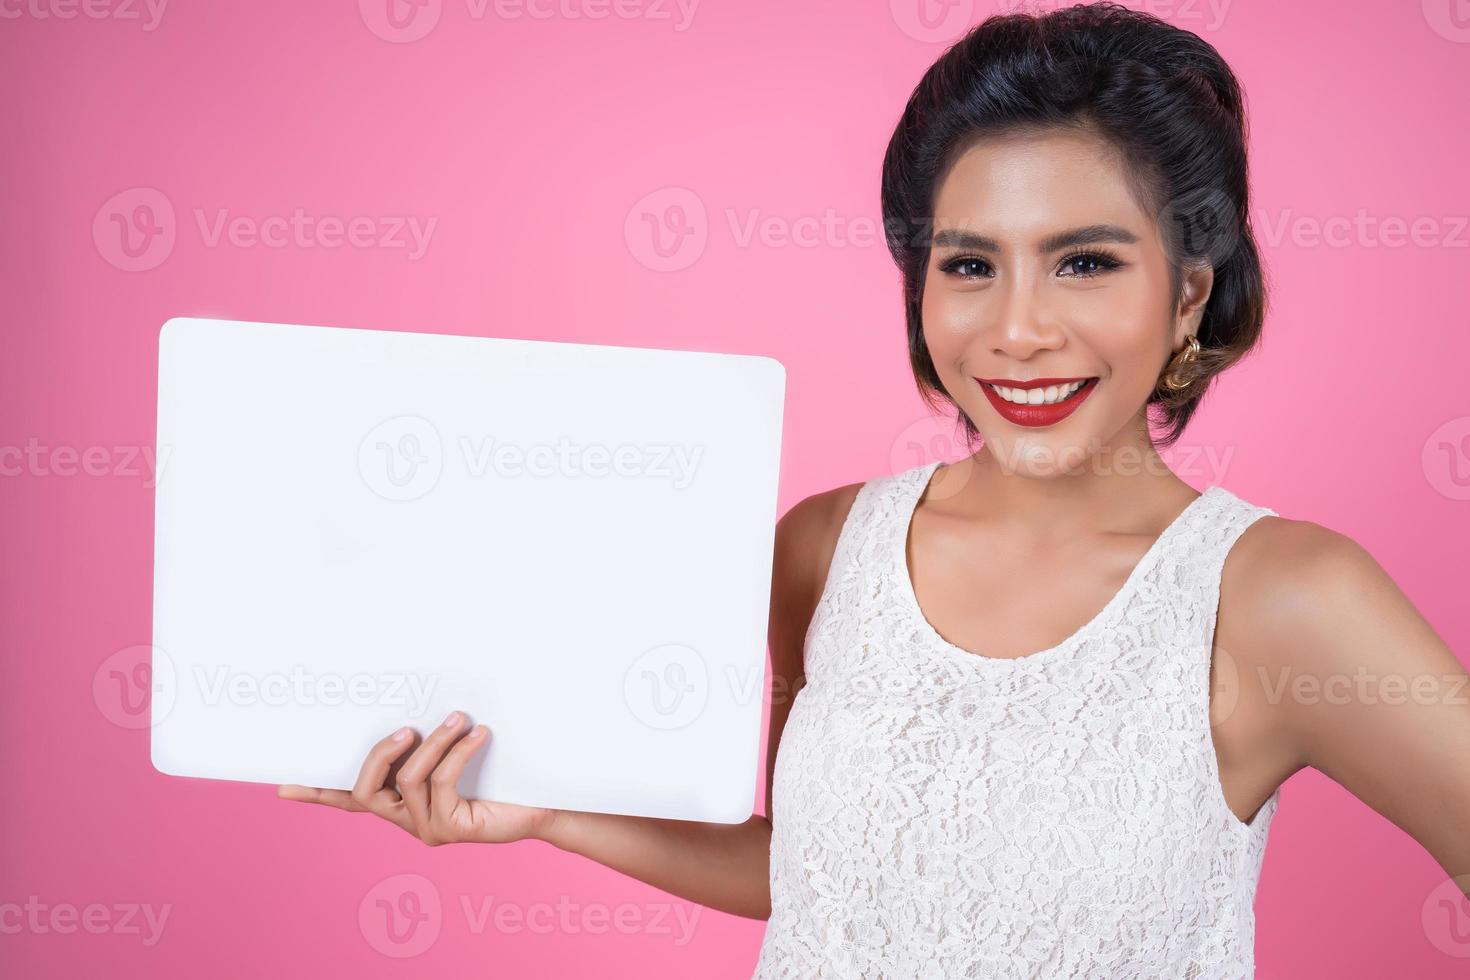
(1034, 416)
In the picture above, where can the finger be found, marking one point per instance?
(371, 791)
(413, 777)
(444, 799)
(339, 798)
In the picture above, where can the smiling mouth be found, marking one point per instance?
(1048, 391)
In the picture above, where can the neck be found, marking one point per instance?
(1125, 486)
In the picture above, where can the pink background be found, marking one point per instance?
(543, 147)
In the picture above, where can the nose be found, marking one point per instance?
(1022, 322)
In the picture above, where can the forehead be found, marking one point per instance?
(1026, 186)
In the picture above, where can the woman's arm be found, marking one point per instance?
(1360, 685)
(721, 866)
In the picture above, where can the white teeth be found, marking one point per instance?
(1038, 396)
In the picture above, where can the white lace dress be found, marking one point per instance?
(942, 815)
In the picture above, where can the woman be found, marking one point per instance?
(1005, 759)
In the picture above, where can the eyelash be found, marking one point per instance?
(1105, 260)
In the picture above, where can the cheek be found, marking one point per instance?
(1122, 328)
(949, 320)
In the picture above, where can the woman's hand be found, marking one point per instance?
(425, 801)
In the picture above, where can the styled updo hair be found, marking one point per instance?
(1160, 95)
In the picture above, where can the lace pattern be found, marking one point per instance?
(939, 814)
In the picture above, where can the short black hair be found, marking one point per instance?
(1160, 95)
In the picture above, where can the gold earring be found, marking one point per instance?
(1187, 356)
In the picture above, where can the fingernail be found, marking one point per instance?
(453, 720)
(478, 731)
(401, 734)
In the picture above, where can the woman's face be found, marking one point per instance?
(1043, 266)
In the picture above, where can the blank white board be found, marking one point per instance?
(362, 529)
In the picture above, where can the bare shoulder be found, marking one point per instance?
(806, 537)
(1284, 574)
(1282, 571)
(1297, 595)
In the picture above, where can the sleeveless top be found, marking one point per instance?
(940, 814)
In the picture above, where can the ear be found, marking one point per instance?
(1198, 281)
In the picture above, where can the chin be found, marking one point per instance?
(1040, 457)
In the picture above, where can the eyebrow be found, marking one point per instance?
(1089, 235)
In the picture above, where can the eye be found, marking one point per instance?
(1088, 264)
(966, 267)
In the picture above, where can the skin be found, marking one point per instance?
(1017, 547)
